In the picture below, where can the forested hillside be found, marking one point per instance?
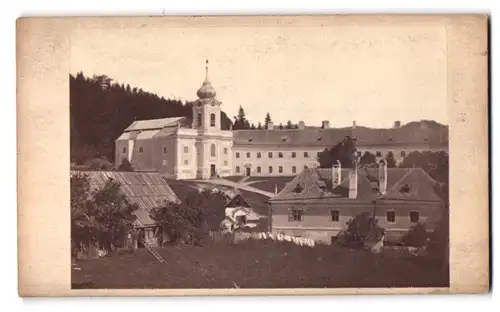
(100, 109)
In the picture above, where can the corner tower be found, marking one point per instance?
(206, 109)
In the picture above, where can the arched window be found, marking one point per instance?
(199, 119)
(212, 150)
(212, 120)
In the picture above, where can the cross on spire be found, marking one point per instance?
(206, 70)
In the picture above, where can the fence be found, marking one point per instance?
(237, 237)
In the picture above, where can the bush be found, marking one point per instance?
(361, 228)
(417, 236)
(125, 166)
(100, 163)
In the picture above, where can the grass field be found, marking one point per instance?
(258, 265)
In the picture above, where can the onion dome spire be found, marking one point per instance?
(206, 91)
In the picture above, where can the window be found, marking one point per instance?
(225, 162)
(403, 153)
(298, 188)
(295, 215)
(378, 154)
(237, 169)
(186, 150)
(237, 155)
(248, 155)
(270, 169)
(164, 150)
(280, 155)
(212, 150)
(335, 215)
(259, 155)
(390, 153)
(258, 169)
(270, 154)
(212, 120)
(186, 162)
(414, 217)
(141, 149)
(390, 216)
(280, 169)
(225, 150)
(294, 155)
(199, 120)
(306, 154)
(294, 169)
(124, 150)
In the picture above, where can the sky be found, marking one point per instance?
(374, 75)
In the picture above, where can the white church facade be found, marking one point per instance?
(199, 149)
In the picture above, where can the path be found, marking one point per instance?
(236, 185)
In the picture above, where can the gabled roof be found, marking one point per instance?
(237, 201)
(402, 183)
(146, 189)
(154, 124)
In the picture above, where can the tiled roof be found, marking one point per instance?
(146, 189)
(421, 185)
(290, 137)
(409, 134)
(153, 123)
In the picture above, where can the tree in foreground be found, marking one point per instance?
(361, 228)
(368, 159)
(99, 217)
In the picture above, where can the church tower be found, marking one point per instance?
(206, 110)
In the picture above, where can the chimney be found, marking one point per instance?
(382, 176)
(354, 124)
(270, 126)
(336, 174)
(325, 124)
(353, 181)
(397, 124)
(301, 125)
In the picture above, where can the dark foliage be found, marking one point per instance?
(368, 159)
(101, 109)
(361, 228)
(344, 151)
(417, 236)
(125, 165)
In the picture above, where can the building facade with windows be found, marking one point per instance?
(318, 203)
(198, 148)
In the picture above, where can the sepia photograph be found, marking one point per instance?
(259, 157)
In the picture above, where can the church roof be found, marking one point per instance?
(152, 124)
(316, 183)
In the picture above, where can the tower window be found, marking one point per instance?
(212, 150)
(164, 150)
(199, 120)
(237, 155)
(186, 150)
(225, 150)
(124, 150)
(212, 120)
